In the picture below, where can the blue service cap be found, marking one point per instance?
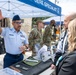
(16, 17)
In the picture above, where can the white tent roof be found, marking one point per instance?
(56, 18)
(12, 7)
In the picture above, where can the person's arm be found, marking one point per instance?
(1, 17)
(34, 38)
(47, 35)
(68, 66)
(57, 54)
(25, 44)
(0, 30)
(24, 48)
(31, 39)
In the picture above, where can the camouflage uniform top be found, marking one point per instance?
(35, 37)
(47, 36)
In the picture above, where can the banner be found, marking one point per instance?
(44, 5)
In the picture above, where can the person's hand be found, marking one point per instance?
(53, 66)
(1, 17)
(28, 49)
(22, 48)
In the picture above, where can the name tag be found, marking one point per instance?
(22, 36)
(11, 36)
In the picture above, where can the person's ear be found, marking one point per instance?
(13, 23)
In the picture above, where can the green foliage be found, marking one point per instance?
(35, 19)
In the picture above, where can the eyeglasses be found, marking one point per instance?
(18, 22)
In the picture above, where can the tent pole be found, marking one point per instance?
(60, 25)
(55, 1)
(8, 5)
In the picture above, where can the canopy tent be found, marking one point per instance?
(29, 8)
(59, 20)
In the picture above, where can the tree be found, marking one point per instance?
(35, 19)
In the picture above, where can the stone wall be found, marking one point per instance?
(27, 25)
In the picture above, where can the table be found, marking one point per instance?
(48, 71)
(33, 70)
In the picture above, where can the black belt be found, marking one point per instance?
(14, 55)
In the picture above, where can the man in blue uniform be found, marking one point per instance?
(15, 42)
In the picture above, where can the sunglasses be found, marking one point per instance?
(18, 22)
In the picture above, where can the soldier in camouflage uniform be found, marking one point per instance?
(35, 38)
(49, 34)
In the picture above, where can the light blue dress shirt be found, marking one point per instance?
(14, 40)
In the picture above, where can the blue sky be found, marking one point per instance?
(68, 6)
